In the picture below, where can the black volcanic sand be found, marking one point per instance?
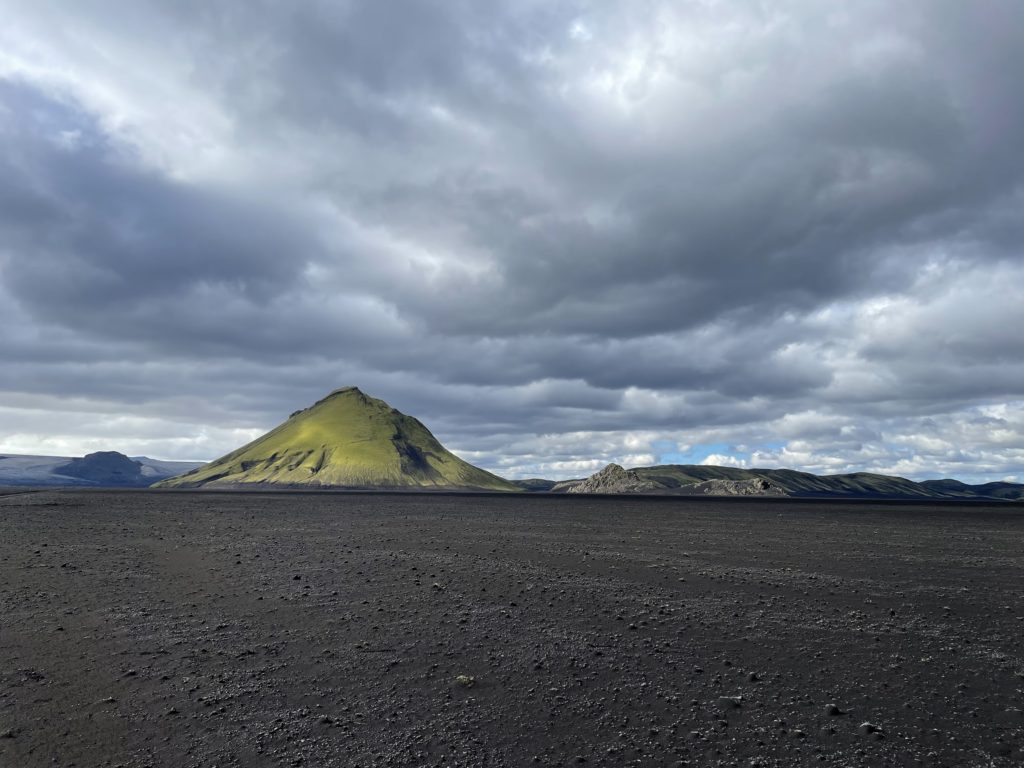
(192, 629)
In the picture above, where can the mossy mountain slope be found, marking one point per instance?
(346, 440)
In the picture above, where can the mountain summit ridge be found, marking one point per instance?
(344, 440)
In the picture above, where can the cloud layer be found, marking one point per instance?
(560, 233)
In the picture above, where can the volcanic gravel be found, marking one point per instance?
(220, 629)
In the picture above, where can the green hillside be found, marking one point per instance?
(994, 490)
(858, 484)
(346, 440)
(672, 478)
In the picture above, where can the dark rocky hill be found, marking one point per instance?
(107, 468)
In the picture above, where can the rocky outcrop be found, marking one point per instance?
(615, 479)
(564, 486)
(757, 486)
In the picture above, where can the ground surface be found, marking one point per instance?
(190, 629)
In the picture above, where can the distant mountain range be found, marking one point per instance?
(346, 440)
(700, 480)
(350, 440)
(106, 469)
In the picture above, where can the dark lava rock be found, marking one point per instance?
(866, 729)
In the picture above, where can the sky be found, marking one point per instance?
(559, 232)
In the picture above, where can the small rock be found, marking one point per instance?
(832, 710)
(466, 681)
(730, 702)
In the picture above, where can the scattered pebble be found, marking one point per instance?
(730, 702)
(866, 729)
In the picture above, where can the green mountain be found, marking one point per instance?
(687, 479)
(346, 440)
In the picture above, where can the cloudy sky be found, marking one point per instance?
(561, 233)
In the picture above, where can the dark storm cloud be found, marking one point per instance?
(574, 229)
(788, 209)
(83, 228)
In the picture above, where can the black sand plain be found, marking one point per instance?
(234, 629)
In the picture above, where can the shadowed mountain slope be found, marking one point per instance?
(346, 440)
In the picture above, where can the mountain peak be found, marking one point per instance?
(340, 393)
(346, 391)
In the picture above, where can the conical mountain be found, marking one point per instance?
(346, 440)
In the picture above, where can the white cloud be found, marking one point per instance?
(724, 460)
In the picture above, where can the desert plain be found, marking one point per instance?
(199, 629)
